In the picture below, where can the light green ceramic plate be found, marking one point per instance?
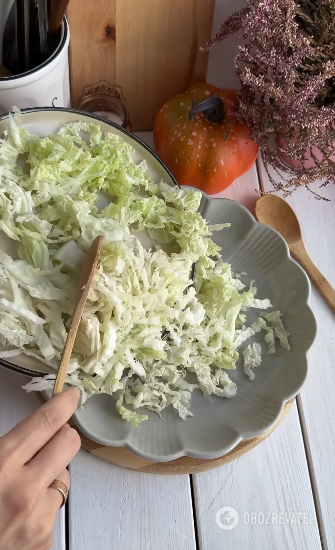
(218, 424)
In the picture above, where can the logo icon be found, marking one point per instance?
(227, 518)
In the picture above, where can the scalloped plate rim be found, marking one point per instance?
(241, 436)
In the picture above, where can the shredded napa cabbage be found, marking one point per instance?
(149, 335)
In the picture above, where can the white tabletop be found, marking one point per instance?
(283, 490)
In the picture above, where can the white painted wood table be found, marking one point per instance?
(283, 490)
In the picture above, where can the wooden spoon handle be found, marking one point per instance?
(56, 12)
(88, 272)
(58, 387)
(326, 290)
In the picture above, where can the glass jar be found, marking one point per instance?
(106, 101)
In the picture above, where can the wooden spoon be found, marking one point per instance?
(56, 12)
(278, 214)
(89, 269)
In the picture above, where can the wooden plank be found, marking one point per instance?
(262, 486)
(157, 52)
(92, 44)
(15, 405)
(115, 509)
(316, 401)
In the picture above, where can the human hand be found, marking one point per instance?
(32, 455)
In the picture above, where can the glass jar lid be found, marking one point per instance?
(106, 101)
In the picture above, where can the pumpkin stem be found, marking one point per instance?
(212, 108)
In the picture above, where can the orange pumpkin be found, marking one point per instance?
(203, 153)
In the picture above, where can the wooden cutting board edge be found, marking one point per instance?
(150, 49)
(185, 465)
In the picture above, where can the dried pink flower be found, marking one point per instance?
(286, 69)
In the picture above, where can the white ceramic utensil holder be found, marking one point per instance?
(5, 7)
(48, 85)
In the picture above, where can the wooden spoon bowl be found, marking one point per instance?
(278, 214)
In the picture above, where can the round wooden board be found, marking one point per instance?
(184, 465)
